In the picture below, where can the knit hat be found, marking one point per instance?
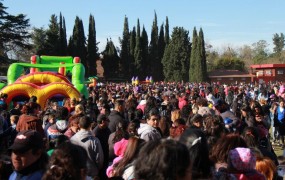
(61, 125)
(242, 159)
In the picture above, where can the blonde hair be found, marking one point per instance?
(262, 101)
(14, 119)
(79, 109)
(175, 114)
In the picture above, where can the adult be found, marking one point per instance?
(102, 132)
(195, 122)
(73, 127)
(68, 161)
(91, 144)
(148, 131)
(196, 142)
(231, 121)
(125, 167)
(202, 104)
(30, 120)
(220, 151)
(28, 155)
(173, 161)
(120, 133)
(279, 122)
(253, 139)
(116, 115)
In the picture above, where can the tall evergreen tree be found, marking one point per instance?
(176, 56)
(125, 49)
(132, 51)
(91, 48)
(195, 56)
(145, 59)
(161, 47)
(110, 61)
(62, 37)
(138, 52)
(77, 42)
(166, 31)
(53, 41)
(153, 51)
(70, 46)
(203, 56)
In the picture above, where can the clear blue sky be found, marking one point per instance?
(225, 23)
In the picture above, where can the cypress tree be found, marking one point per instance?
(78, 42)
(125, 49)
(203, 55)
(145, 60)
(153, 50)
(161, 47)
(138, 52)
(62, 36)
(132, 52)
(53, 41)
(166, 31)
(176, 56)
(70, 46)
(198, 62)
(195, 54)
(110, 61)
(91, 48)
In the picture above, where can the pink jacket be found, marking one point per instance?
(119, 149)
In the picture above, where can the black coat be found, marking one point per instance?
(115, 118)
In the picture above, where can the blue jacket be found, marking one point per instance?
(33, 176)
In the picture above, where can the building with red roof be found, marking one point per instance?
(268, 72)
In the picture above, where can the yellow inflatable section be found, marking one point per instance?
(42, 78)
(43, 85)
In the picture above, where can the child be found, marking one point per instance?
(11, 132)
(50, 121)
(279, 122)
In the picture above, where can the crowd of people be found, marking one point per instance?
(148, 131)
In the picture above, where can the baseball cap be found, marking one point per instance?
(26, 140)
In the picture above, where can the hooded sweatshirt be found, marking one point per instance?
(27, 122)
(148, 132)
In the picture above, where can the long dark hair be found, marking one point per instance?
(162, 159)
(196, 142)
(131, 153)
(66, 163)
(220, 150)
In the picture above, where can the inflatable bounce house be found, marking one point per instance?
(148, 80)
(45, 77)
